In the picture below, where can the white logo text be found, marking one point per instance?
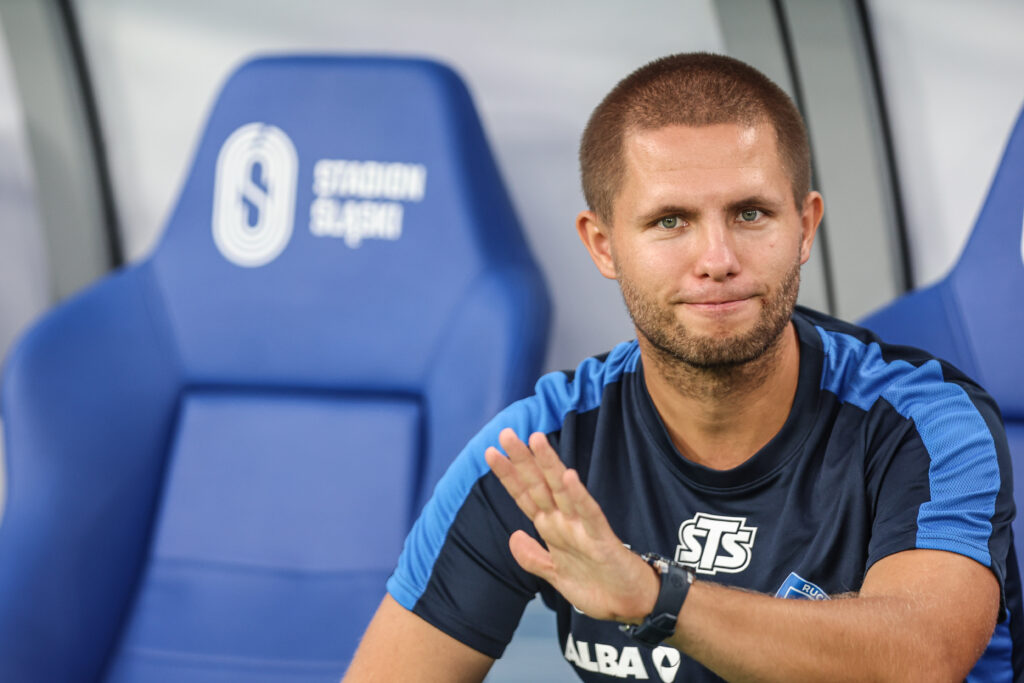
(712, 543)
(348, 198)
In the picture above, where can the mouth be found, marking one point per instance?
(723, 301)
(719, 306)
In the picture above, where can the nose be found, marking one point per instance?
(716, 259)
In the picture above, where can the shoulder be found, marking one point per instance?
(559, 393)
(556, 394)
(935, 443)
(861, 369)
(952, 428)
(955, 422)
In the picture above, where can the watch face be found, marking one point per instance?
(678, 579)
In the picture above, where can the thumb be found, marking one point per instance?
(531, 555)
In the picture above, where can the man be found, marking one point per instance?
(763, 451)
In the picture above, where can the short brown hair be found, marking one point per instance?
(693, 89)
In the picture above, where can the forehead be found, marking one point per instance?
(701, 164)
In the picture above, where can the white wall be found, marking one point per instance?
(24, 271)
(536, 69)
(953, 75)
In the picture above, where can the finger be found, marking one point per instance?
(552, 468)
(527, 470)
(506, 473)
(531, 555)
(590, 513)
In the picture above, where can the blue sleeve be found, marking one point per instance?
(938, 468)
(946, 484)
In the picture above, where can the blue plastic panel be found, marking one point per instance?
(88, 404)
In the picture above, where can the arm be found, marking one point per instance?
(920, 614)
(400, 646)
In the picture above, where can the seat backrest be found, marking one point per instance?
(974, 318)
(214, 455)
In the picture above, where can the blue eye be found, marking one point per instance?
(750, 215)
(669, 222)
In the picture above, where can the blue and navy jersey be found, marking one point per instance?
(885, 449)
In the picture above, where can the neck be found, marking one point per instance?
(721, 416)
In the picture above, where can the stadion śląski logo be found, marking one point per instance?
(254, 195)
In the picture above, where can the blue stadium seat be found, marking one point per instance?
(974, 318)
(214, 455)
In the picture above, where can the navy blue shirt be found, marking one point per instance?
(885, 449)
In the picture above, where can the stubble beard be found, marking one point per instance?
(722, 362)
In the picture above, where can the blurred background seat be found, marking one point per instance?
(974, 317)
(214, 455)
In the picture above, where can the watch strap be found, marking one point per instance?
(661, 622)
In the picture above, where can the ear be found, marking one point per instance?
(596, 237)
(810, 218)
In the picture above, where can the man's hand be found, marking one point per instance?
(585, 561)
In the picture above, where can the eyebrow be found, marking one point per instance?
(756, 201)
(669, 210)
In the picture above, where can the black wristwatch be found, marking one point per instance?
(661, 622)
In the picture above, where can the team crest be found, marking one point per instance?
(796, 587)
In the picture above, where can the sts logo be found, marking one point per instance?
(711, 543)
(254, 195)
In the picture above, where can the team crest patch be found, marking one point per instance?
(795, 587)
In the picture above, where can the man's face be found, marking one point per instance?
(707, 242)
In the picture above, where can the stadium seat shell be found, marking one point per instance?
(214, 455)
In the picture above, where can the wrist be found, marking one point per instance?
(648, 586)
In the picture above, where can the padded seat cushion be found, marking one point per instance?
(243, 573)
